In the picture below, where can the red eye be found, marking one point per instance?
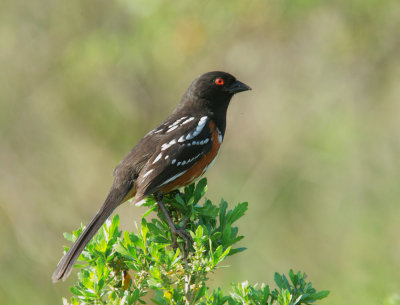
(219, 81)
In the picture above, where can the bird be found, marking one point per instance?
(173, 155)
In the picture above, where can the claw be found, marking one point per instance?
(182, 233)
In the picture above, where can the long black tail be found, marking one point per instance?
(114, 198)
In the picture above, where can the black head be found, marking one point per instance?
(213, 90)
(210, 94)
(216, 84)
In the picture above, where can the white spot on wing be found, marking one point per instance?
(173, 178)
(199, 128)
(157, 158)
(172, 128)
(167, 145)
(188, 160)
(202, 120)
(219, 136)
(147, 173)
(175, 124)
(188, 120)
(202, 142)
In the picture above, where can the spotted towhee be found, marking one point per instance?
(170, 156)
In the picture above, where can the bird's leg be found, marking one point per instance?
(174, 230)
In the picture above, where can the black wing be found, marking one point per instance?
(184, 141)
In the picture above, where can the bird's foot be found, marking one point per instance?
(182, 233)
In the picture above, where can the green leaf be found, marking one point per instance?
(154, 229)
(320, 295)
(222, 212)
(280, 281)
(68, 236)
(99, 268)
(122, 250)
(294, 277)
(224, 254)
(226, 235)
(114, 225)
(76, 291)
(189, 192)
(207, 210)
(180, 200)
(160, 240)
(149, 211)
(200, 189)
(236, 250)
(102, 246)
(199, 233)
(237, 212)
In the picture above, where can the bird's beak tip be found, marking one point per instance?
(238, 86)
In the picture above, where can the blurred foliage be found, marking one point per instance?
(314, 146)
(127, 268)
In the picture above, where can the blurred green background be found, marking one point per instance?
(314, 147)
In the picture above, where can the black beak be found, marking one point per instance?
(237, 87)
